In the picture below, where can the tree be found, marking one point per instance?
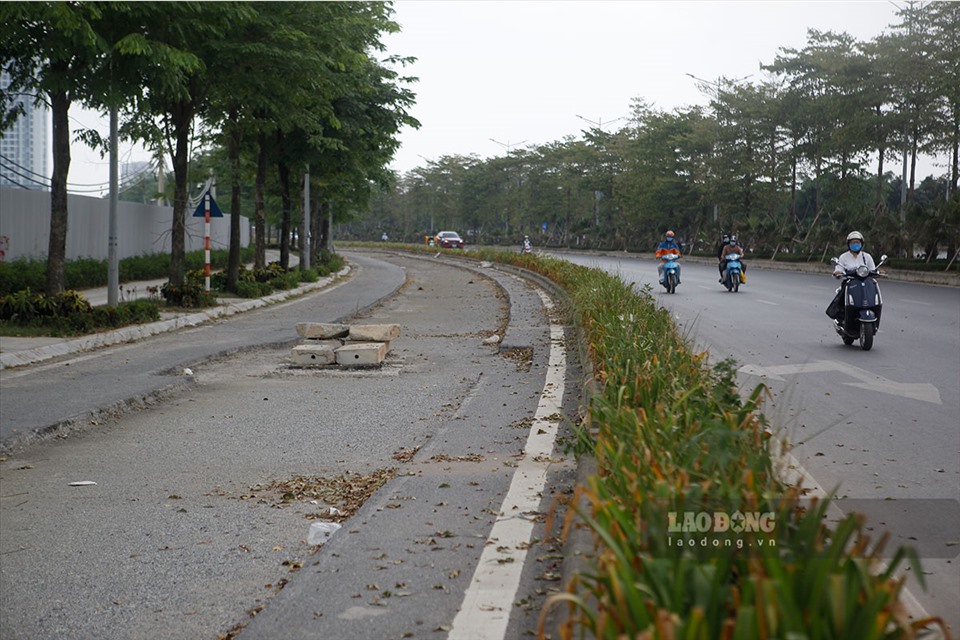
(176, 96)
(50, 49)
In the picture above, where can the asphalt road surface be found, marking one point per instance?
(199, 516)
(881, 427)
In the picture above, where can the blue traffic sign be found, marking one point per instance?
(200, 211)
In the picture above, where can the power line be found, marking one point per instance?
(96, 186)
(25, 177)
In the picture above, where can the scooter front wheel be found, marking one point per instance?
(866, 335)
(672, 283)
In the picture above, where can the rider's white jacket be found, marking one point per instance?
(850, 260)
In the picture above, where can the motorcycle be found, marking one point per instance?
(862, 304)
(733, 272)
(671, 271)
(527, 247)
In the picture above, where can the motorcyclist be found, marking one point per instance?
(669, 245)
(851, 259)
(526, 246)
(732, 246)
(723, 243)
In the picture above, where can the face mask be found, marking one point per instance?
(856, 246)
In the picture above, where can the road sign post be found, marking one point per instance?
(206, 241)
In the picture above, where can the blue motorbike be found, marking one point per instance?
(671, 271)
(733, 272)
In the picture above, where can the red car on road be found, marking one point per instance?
(449, 240)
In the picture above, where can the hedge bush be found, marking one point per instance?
(69, 313)
(86, 273)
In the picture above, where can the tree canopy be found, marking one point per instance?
(791, 161)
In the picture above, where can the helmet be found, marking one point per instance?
(854, 235)
(726, 238)
(733, 239)
(669, 234)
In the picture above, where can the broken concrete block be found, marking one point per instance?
(361, 354)
(374, 332)
(321, 331)
(320, 352)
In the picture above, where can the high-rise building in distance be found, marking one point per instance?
(23, 147)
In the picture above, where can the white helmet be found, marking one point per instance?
(854, 235)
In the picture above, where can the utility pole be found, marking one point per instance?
(113, 260)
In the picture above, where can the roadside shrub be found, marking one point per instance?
(307, 275)
(289, 280)
(84, 273)
(148, 267)
(21, 274)
(253, 289)
(24, 306)
(187, 295)
(69, 313)
(268, 273)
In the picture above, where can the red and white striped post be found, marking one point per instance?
(206, 241)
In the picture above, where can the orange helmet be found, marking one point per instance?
(669, 234)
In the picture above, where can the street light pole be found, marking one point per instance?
(717, 86)
(596, 192)
(599, 124)
(434, 199)
(507, 145)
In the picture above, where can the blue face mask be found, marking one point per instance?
(855, 246)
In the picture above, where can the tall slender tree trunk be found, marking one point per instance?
(955, 164)
(182, 120)
(318, 218)
(793, 192)
(233, 149)
(57, 246)
(283, 172)
(913, 165)
(878, 196)
(260, 215)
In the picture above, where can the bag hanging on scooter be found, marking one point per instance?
(834, 309)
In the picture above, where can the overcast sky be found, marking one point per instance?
(521, 72)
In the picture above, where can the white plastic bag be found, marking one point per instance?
(321, 531)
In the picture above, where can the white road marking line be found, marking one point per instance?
(487, 603)
(774, 304)
(924, 304)
(870, 381)
(792, 472)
